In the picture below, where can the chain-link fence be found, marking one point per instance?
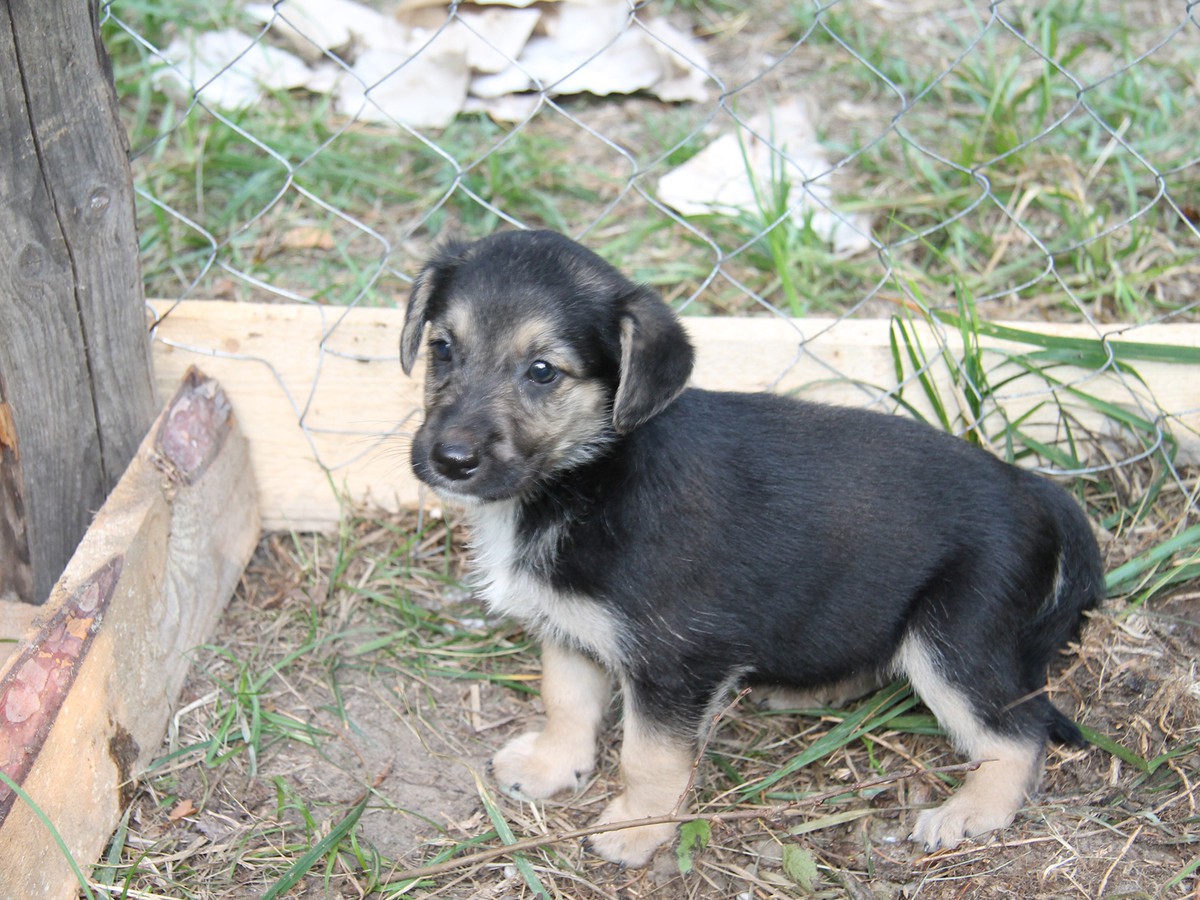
(954, 164)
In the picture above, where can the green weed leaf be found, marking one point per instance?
(693, 836)
(328, 844)
(800, 867)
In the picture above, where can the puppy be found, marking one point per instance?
(683, 541)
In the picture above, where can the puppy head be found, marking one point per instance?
(539, 355)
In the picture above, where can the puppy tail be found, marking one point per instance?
(1078, 584)
(1063, 729)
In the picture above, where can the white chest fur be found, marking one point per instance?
(511, 589)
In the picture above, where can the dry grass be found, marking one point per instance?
(355, 691)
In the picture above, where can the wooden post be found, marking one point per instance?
(76, 390)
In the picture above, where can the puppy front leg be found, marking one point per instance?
(656, 768)
(539, 764)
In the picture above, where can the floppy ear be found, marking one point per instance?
(427, 283)
(414, 320)
(656, 360)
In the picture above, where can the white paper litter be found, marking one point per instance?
(595, 49)
(508, 108)
(495, 37)
(412, 68)
(233, 70)
(722, 178)
(313, 27)
(409, 5)
(684, 63)
(424, 91)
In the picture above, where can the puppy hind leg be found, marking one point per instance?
(989, 798)
(656, 768)
(575, 694)
(1010, 764)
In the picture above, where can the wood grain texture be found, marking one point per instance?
(16, 571)
(85, 701)
(327, 411)
(329, 414)
(75, 358)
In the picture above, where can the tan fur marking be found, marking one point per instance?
(625, 383)
(577, 413)
(656, 770)
(993, 793)
(579, 416)
(831, 695)
(539, 764)
(989, 799)
(532, 336)
(460, 322)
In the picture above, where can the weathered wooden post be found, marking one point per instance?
(76, 393)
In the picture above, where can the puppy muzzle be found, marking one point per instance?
(468, 463)
(454, 460)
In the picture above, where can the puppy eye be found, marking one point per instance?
(542, 372)
(440, 350)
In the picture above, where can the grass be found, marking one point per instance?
(1024, 150)
(1039, 167)
(1036, 164)
(815, 797)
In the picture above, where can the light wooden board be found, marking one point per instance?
(328, 412)
(85, 698)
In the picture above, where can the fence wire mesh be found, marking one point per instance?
(934, 162)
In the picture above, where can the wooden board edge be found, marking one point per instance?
(318, 421)
(85, 699)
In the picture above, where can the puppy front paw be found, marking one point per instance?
(631, 847)
(537, 765)
(959, 817)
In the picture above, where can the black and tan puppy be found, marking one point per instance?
(685, 541)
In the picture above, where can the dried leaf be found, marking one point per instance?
(184, 807)
(307, 237)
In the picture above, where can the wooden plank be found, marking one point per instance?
(74, 367)
(329, 414)
(851, 363)
(85, 700)
(322, 398)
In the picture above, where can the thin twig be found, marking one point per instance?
(715, 720)
(1120, 856)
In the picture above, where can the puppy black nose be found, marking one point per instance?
(455, 461)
